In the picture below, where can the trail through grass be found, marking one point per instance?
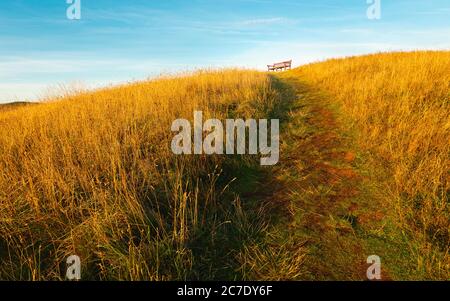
(354, 177)
(323, 212)
(363, 170)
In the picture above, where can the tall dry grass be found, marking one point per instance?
(398, 105)
(93, 175)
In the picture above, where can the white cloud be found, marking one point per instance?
(30, 78)
(24, 91)
(304, 53)
(266, 21)
(20, 66)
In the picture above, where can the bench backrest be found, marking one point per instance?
(281, 65)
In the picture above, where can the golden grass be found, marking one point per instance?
(398, 106)
(93, 175)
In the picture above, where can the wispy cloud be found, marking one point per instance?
(266, 21)
(357, 31)
(434, 12)
(308, 52)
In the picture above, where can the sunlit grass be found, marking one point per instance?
(93, 175)
(398, 106)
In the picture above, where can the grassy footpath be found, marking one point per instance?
(325, 211)
(363, 171)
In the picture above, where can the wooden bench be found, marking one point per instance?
(280, 66)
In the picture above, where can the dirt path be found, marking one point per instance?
(318, 186)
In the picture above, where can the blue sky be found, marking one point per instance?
(122, 40)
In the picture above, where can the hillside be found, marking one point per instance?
(390, 117)
(363, 170)
(14, 105)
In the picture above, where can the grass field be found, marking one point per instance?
(364, 169)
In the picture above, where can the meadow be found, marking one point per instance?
(398, 107)
(92, 174)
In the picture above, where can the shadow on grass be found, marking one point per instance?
(242, 214)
